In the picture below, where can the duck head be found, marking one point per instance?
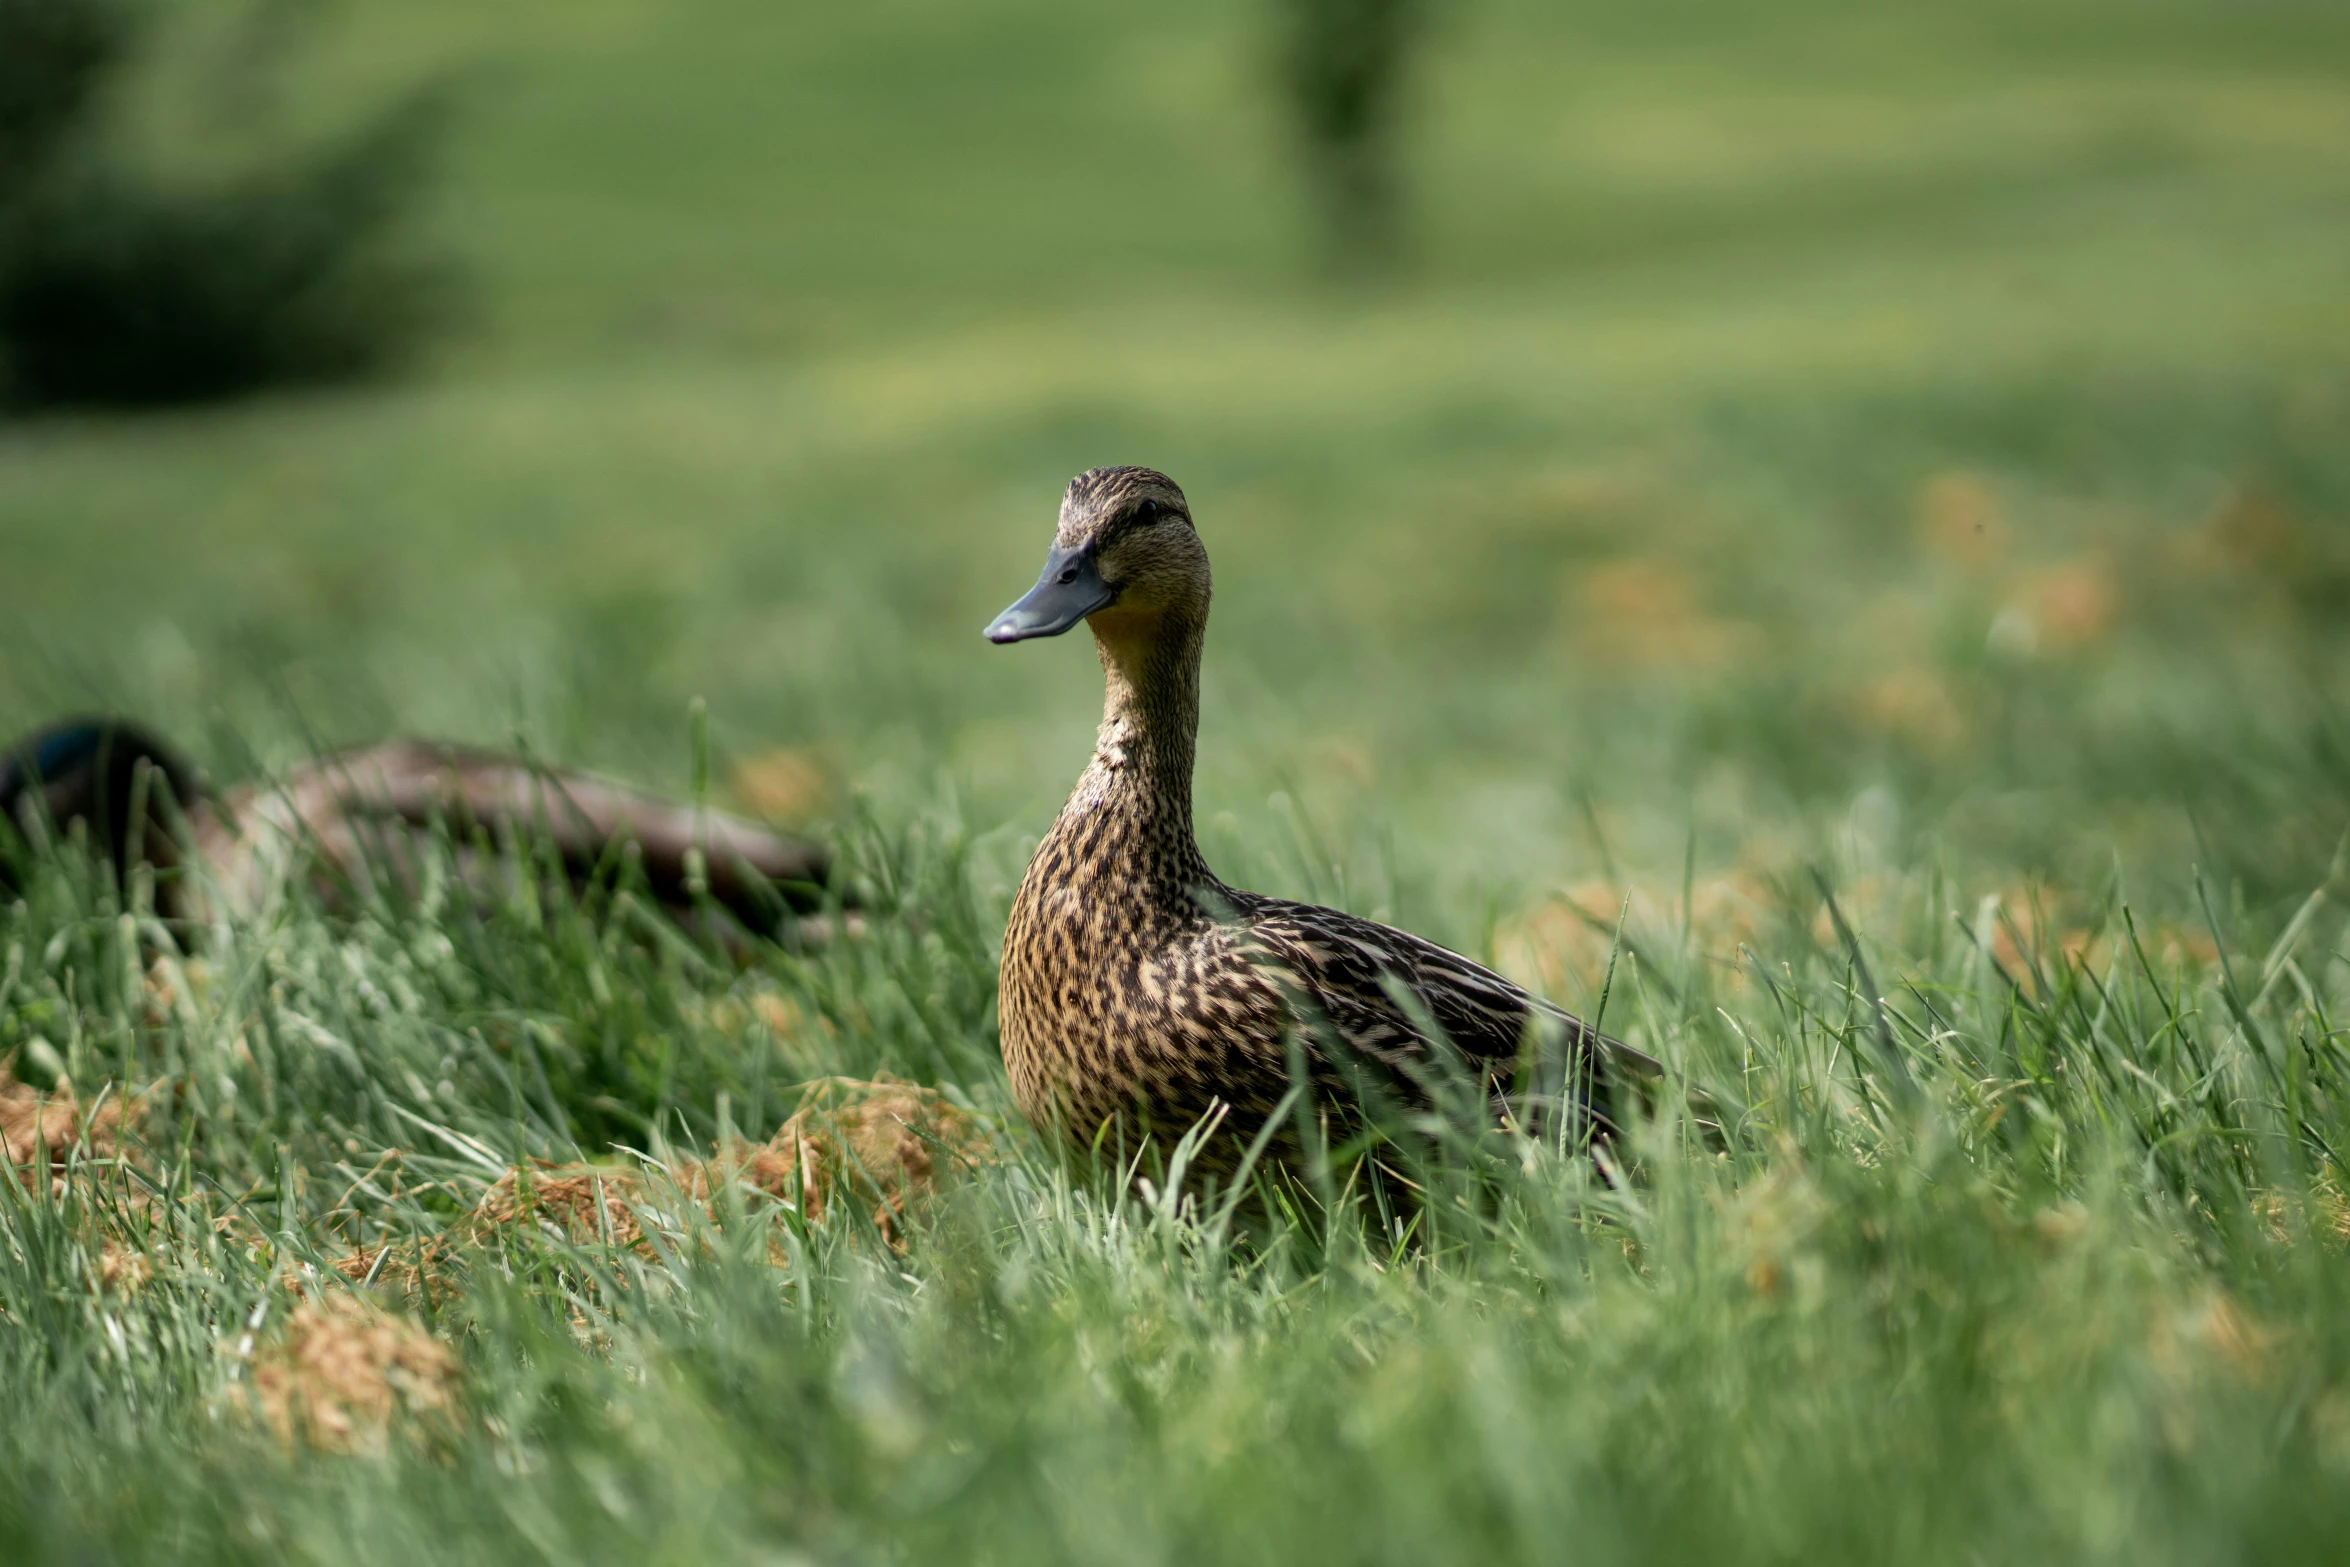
(1125, 557)
(86, 771)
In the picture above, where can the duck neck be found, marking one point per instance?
(1138, 785)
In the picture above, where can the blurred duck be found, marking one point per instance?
(352, 820)
(1135, 983)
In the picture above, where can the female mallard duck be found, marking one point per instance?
(350, 818)
(1135, 982)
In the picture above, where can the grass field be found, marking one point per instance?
(1901, 447)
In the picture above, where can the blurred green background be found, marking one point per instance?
(1883, 429)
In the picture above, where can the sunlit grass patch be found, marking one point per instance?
(340, 1374)
(2022, 1203)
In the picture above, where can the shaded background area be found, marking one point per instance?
(1890, 431)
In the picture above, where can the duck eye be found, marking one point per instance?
(1147, 511)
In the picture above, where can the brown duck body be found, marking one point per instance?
(1135, 983)
(355, 821)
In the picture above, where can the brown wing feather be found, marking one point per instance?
(1348, 972)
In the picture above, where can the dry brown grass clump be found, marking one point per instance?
(122, 1271)
(581, 1202)
(38, 1128)
(2323, 1212)
(785, 785)
(414, 1270)
(882, 1144)
(344, 1371)
(1649, 614)
(1568, 942)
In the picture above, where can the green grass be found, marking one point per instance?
(1903, 442)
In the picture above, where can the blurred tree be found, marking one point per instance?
(53, 54)
(1344, 65)
(118, 287)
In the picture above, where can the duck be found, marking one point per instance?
(350, 821)
(1139, 990)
